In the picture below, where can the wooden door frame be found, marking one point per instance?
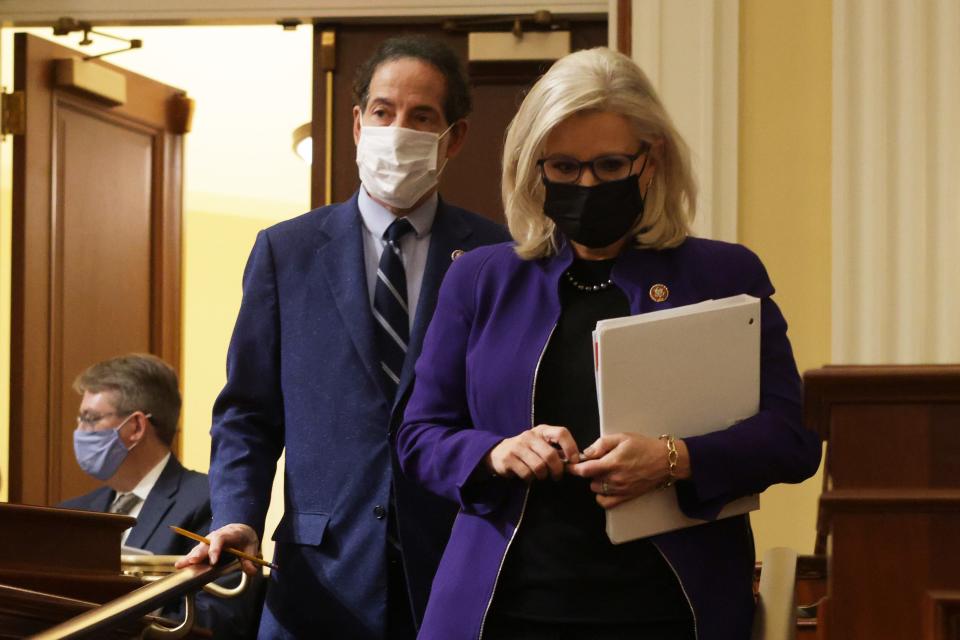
(147, 12)
(35, 290)
(326, 63)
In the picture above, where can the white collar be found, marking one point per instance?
(376, 217)
(145, 486)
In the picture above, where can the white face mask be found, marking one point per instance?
(397, 166)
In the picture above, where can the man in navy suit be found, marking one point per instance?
(335, 306)
(125, 428)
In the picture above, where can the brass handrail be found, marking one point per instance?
(150, 568)
(140, 602)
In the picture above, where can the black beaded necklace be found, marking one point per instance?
(588, 287)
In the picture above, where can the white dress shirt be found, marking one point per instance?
(413, 246)
(142, 490)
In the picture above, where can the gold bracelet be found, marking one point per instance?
(672, 458)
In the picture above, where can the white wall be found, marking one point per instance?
(689, 49)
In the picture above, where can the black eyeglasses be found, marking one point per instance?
(606, 168)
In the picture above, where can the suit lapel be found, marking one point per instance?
(449, 232)
(158, 503)
(102, 499)
(340, 262)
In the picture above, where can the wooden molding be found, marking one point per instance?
(624, 28)
(829, 386)
(134, 12)
(889, 501)
(91, 79)
(941, 615)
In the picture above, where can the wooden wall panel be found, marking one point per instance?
(96, 261)
(103, 209)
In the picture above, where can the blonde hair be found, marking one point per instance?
(595, 80)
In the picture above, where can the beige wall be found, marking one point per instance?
(216, 247)
(784, 192)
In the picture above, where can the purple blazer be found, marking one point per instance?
(474, 387)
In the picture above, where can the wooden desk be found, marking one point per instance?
(74, 554)
(890, 512)
(58, 563)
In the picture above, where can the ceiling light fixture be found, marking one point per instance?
(303, 143)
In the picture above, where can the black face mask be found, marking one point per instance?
(596, 216)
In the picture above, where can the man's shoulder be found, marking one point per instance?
(189, 489)
(191, 481)
(300, 227)
(489, 261)
(194, 480)
(87, 501)
(488, 230)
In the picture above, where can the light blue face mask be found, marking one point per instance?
(100, 453)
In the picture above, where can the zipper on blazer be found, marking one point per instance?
(526, 495)
(693, 612)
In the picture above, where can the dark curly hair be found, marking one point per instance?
(457, 104)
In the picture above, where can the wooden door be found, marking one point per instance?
(96, 252)
(472, 179)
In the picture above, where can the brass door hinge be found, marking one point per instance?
(14, 113)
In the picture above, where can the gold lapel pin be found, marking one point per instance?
(456, 254)
(659, 292)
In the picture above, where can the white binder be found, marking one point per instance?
(685, 371)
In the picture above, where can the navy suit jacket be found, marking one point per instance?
(302, 375)
(180, 497)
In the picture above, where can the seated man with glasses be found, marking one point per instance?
(125, 430)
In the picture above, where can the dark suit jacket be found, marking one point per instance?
(180, 497)
(302, 374)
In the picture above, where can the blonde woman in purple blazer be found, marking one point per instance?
(503, 418)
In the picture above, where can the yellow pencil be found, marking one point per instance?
(236, 552)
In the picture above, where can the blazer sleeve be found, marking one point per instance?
(770, 447)
(247, 433)
(436, 443)
(227, 618)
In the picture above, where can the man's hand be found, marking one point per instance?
(239, 536)
(534, 454)
(622, 466)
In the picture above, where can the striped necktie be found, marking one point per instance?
(390, 305)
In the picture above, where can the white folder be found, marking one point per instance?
(685, 371)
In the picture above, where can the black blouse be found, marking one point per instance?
(561, 567)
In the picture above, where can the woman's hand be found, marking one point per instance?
(534, 454)
(622, 466)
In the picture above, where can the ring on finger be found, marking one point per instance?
(604, 488)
